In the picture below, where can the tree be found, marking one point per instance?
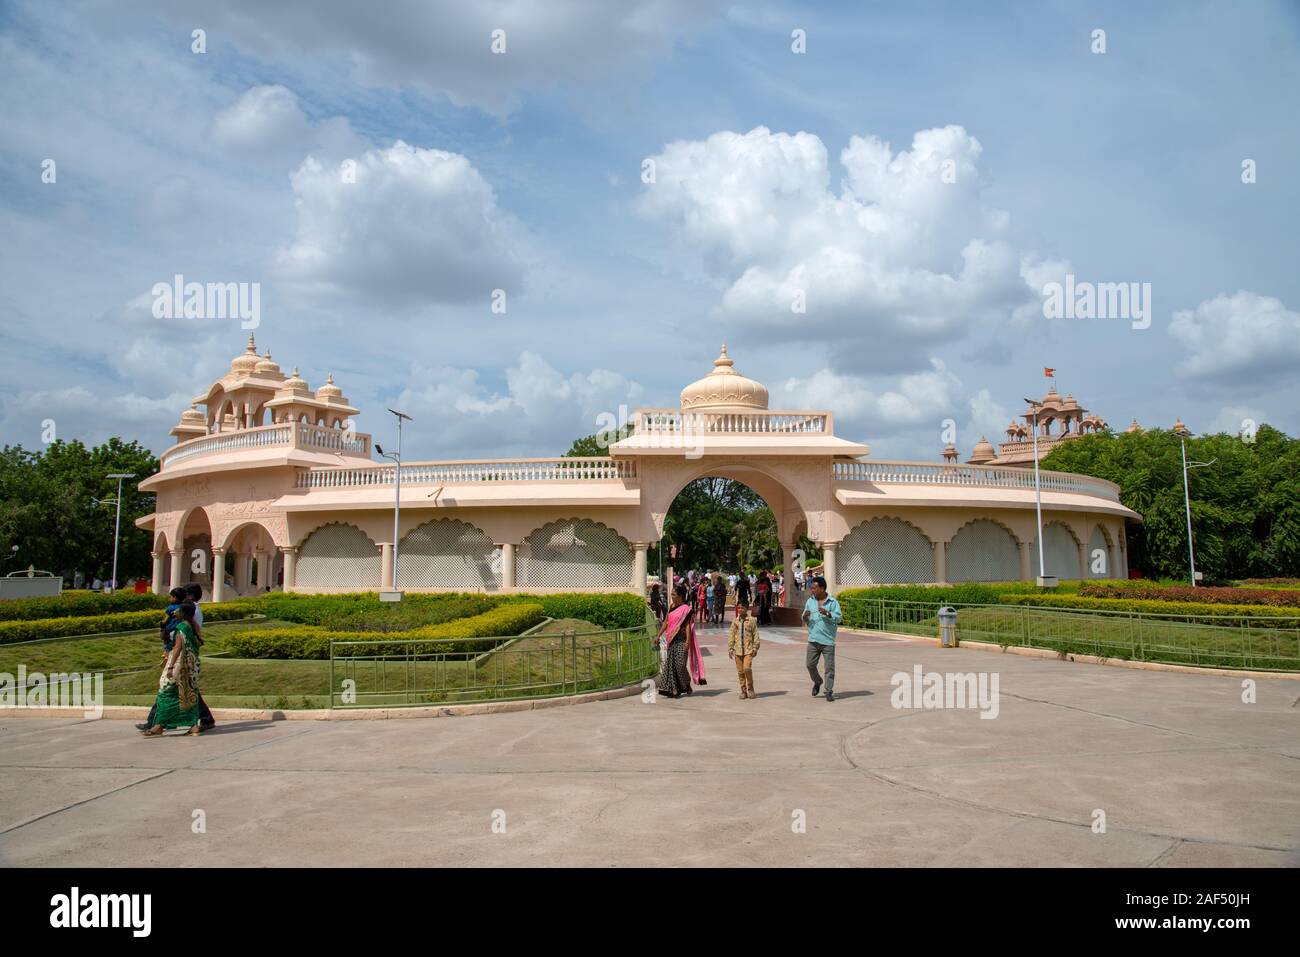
(1245, 507)
(58, 507)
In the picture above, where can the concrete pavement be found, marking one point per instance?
(1184, 771)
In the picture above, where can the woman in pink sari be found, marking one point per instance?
(684, 661)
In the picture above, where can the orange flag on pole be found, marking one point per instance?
(1048, 372)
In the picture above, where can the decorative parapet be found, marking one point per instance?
(677, 422)
(976, 476)
(297, 435)
(461, 473)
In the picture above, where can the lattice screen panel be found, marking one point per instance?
(446, 553)
(337, 556)
(883, 551)
(575, 554)
(1098, 541)
(1062, 553)
(983, 551)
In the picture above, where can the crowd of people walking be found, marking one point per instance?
(703, 600)
(712, 592)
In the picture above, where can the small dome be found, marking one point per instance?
(192, 416)
(296, 383)
(1180, 428)
(1133, 427)
(329, 389)
(1052, 399)
(724, 389)
(246, 363)
(1069, 403)
(268, 366)
(983, 451)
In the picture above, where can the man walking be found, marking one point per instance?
(823, 616)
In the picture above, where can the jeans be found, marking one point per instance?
(817, 650)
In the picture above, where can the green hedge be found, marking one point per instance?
(309, 641)
(1204, 595)
(12, 631)
(75, 603)
(1202, 613)
(617, 610)
(363, 611)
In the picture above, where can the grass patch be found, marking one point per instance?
(1110, 636)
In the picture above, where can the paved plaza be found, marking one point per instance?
(1185, 772)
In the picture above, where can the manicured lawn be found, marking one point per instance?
(112, 652)
(1136, 637)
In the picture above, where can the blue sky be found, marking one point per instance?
(776, 171)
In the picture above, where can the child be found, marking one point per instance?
(742, 646)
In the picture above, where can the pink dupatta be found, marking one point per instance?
(694, 660)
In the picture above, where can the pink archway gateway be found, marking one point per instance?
(291, 478)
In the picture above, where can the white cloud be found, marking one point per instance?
(541, 411)
(445, 46)
(906, 254)
(1243, 340)
(264, 118)
(417, 226)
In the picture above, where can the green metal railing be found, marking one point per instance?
(1224, 641)
(408, 673)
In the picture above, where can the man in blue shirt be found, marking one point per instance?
(823, 616)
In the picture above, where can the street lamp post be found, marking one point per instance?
(396, 593)
(1043, 581)
(1183, 432)
(117, 527)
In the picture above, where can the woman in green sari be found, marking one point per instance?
(177, 705)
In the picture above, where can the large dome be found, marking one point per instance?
(724, 389)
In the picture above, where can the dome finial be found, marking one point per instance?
(723, 360)
(252, 346)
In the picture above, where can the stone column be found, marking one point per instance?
(1084, 569)
(178, 567)
(290, 553)
(241, 572)
(263, 569)
(159, 569)
(787, 558)
(386, 565)
(639, 567)
(1025, 573)
(508, 565)
(940, 563)
(219, 574)
(830, 565)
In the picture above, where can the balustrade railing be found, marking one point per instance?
(464, 473)
(977, 476)
(288, 434)
(675, 421)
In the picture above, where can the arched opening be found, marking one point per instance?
(197, 566)
(448, 553)
(1061, 554)
(737, 520)
(983, 551)
(575, 553)
(884, 551)
(338, 556)
(1101, 554)
(253, 559)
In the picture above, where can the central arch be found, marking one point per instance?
(769, 485)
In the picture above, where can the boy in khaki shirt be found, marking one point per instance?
(742, 646)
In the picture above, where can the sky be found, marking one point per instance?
(508, 219)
